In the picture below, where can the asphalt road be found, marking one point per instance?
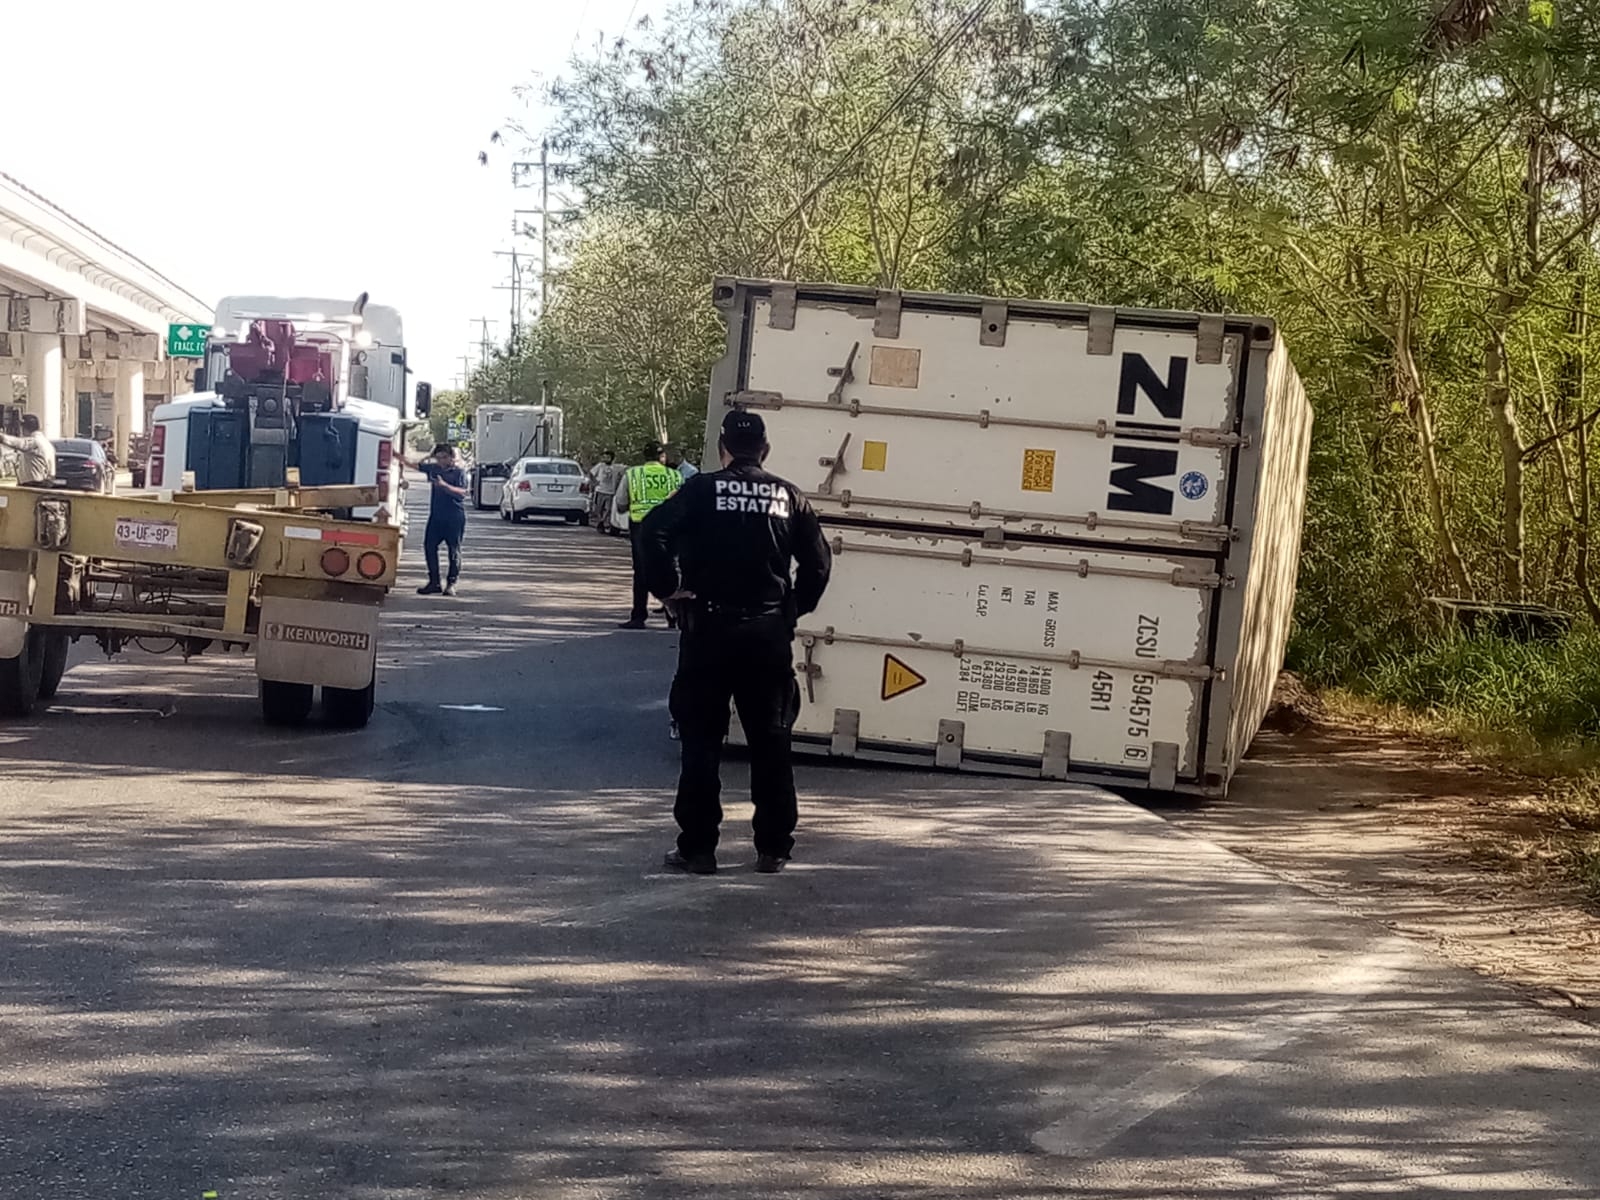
(436, 958)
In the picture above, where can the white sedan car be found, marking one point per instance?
(545, 487)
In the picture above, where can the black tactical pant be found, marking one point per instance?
(747, 661)
(641, 594)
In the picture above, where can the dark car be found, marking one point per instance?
(82, 466)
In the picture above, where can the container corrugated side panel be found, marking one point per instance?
(1255, 621)
(1123, 431)
(939, 645)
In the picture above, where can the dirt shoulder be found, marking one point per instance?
(1421, 836)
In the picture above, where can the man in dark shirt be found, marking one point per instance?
(447, 517)
(719, 551)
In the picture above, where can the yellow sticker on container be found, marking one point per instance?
(874, 456)
(1038, 470)
(898, 679)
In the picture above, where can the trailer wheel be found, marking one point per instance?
(349, 708)
(20, 676)
(285, 703)
(477, 493)
(56, 646)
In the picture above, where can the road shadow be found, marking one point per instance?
(437, 958)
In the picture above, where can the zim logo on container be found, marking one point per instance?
(1194, 485)
(307, 635)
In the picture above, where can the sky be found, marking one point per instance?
(298, 148)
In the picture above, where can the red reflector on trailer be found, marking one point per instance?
(344, 537)
(157, 472)
(335, 561)
(158, 439)
(371, 565)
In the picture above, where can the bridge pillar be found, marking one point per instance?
(130, 406)
(42, 363)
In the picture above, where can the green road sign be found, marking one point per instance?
(187, 341)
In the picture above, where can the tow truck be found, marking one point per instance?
(292, 384)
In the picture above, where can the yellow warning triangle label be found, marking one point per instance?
(898, 679)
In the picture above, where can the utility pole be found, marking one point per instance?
(483, 324)
(514, 346)
(544, 227)
(518, 169)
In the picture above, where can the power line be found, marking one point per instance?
(577, 30)
(939, 51)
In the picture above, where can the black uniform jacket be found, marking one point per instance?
(729, 536)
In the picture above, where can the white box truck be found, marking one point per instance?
(1066, 538)
(504, 433)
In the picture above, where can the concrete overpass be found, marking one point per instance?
(83, 322)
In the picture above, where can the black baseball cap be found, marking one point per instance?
(742, 430)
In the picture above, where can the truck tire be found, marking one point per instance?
(349, 708)
(56, 646)
(20, 676)
(583, 518)
(477, 492)
(286, 704)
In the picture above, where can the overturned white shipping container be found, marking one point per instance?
(1066, 538)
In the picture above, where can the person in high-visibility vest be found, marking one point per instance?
(643, 488)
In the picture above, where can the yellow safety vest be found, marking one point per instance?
(648, 485)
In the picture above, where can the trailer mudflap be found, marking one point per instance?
(328, 642)
(16, 600)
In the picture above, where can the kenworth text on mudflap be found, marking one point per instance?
(233, 547)
(293, 388)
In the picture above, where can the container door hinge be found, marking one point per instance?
(1189, 577)
(811, 669)
(1163, 766)
(886, 324)
(947, 754)
(993, 330)
(846, 733)
(785, 298)
(845, 374)
(1102, 330)
(1208, 340)
(835, 464)
(1215, 438)
(754, 399)
(1057, 759)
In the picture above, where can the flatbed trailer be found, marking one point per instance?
(259, 572)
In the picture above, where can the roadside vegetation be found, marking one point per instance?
(1412, 189)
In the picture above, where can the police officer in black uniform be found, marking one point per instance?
(719, 551)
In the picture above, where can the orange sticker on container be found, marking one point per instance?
(1038, 470)
(874, 456)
